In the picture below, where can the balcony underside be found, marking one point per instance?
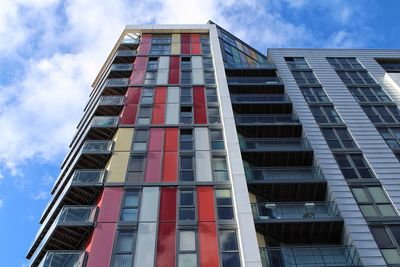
(250, 72)
(295, 190)
(307, 232)
(114, 90)
(92, 161)
(255, 89)
(303, 157)
(273, 131)
(100, 133)
(262, 108)
(119, 74)
(108, 110)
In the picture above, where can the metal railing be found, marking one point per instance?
(76, 215)
(126, 53)
(324, 256)
(88, 177)
(64, 258)
(259, 98)
(261, 118)
(255, 80)
(245, 65)
(288, 174)
(273, 144)
(111, 100)
(104, 121)
(121, 67)
(117, 82)
(92, 146)
(294, 210)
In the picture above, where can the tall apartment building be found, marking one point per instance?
(196, 150)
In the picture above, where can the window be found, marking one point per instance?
(224, 204)
(136, 168)
(373, 201)
(187, 252)
(207, 63)
(150, 77)
(187, 168)
(355, 77)
(229, 248)
(387, 238)
(209, 77)
(124, 249)
(382, 114)
(186, 63)
(369, 94)
(212, 96)
(314, 95)
(186, 139)
(186, 115)
(220, 169)
(186, 77)
(152, 64)
(338, 138)
(213, 115)
(344, 63)
(140, 140)
(391, 136)
(217, 139)
(160, 45)
(130, 206)
(144, 116)
(147, 96)
(325, 114)
(187, 208)
(205, 48)
(186, 95)
(304, 77)
(353, 166)
(296, 63)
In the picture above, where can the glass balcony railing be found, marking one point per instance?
(82, 177)
(126, 53)
(130, 40)
(273, 144)
(94, 147)
(244, 65)
(76, 215)
(117, 82)
(294, 210)
(324, 256)
(258, 98)
(253, 80)
(121, 67)
(265, 119)
(288, 174)
(104, 121)
(64, 258)
(111, 100)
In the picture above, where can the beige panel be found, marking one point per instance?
(123, 139)
(252, 198)
(117, 166)
(261, 240)
(176, 44)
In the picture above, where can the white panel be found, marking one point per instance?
(201, 138)
(146, 244)
(203, 166)
(197, 62)
(162, 76)
(173, 95)
(149, 204)
(197, 76)
(163, 63)
(172, 116)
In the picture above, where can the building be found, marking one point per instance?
(195, 149)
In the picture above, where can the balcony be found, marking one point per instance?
(115, 86)
(110, 106)
(102, 127)
(94, 154)
(250, 69)
(243, 65)
(281, 144)
(68, 232)
(120, 70)
(261, 104)
(324, 256)
(254, 81)
(124, 56)
(57, 258)
(258, 98)
(262, 119)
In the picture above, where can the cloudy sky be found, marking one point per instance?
(51, 50)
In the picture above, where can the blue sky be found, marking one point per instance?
(51, 50)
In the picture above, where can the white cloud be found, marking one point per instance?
(1, 203)
(40, 195)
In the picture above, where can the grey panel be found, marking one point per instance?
(197, 76)
(203, 166)
(145, 244)
(149, 204)
(201, 138)
(173, 95)
(172, 113)
(163, 63)
(162, 76)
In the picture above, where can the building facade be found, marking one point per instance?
(196, 150)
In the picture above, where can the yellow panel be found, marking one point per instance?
(261, 240)
(176, 38)
(117, 167)
(252, 198)
(123, 139)
(176, 44)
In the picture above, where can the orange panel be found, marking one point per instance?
(209, 256)
(161, 94)
(132, 95)
(158, 114)
(205, 202)
(170, 166)
(171, 139)
(128, 115)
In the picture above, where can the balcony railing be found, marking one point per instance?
(273, 144)
(104, 121)
(88, 177)
(121, 67)
(259, 98)
(250, 66)
(129, 40)
(253, 80)
(288, 174)
(117, 82)
(76, 215)
(263, 119)
(94, 147)
(126, 53)
(64, 258)
(111, 100)
(294, 210)
(324, 256)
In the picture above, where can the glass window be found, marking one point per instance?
(187, 209)
(220, 169)
(144, 116)
(136, 168)
(224, 204)
(186, 168)
(150, 77)
(355, 77)
(213, 115)
(130, 206)
(186, 115)
(353, 166)
(186, 77)
(187, 240)
(140, 140)
(369, 94)
(314, 95)
(338, 138)
(296, 63)
(391, 135)
(124, 249)
(229, 248)
(344, 63)
(152, 64)
(209, 77)
(186, 63)
(186, 139)
(147, 96)
(325, 114)
(391, 255)
(207, 63)
(305, 77)
(373, 201)
(212, 96)
(381, 237)
(382, 114)
(160, 45)
(186, 95)
(217, 139)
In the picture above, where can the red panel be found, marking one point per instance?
(171, 139)
(128, 115)
(174, 62)
(145, 43)
(153, 167)
(174, 76)
(161, 94)
(168, 204)
(101, 245)
(205, 202)
(166, 245)
(109, 204)
(133, 95)
(196, 50)
(156, 139)
(185, 48)
(209, 256)
(185, 38)
(140, 63)
(145, 38)
(158, 114)
(200, 115)
(137, 77)
(170, 166)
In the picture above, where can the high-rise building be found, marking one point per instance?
(196, 150)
